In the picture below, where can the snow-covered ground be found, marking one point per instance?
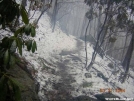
(65, 55)
(60, 60)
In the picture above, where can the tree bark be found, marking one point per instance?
(45, 9)
(89, 19)
(54, 16)
(127, 59)
(124, 47)
(98, 39)
(86, 42)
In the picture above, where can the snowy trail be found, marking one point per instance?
(62, 89)
(59, 62)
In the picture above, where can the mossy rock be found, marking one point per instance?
(87, 84)
(26, 84)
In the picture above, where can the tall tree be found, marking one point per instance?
(127, 59)
(55, 11)
(118, 17)
(89, 15)
(98, 35)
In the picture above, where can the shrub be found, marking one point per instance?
(10, 12)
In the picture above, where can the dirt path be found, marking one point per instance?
(62, 89)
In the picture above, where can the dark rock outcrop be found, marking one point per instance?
(25, 81)
(104, 96)
(83, 98)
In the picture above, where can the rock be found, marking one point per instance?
(111, 65)
(50, 70)
(88, 75)
(101, 97)
(26, 84)
(87, 84)
(116, 72)
(83, 98)
(99, 74)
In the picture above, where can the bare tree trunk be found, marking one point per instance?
(129, 53)
(89, 19)
(30, 7)
(45, 9)
(99, 22)
(124, 47)
(98, 39)
(41, 15)
(54, 16)
(127, 59)
(86, 42)
(105, 47)
(94, 27)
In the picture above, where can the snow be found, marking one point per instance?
(57, 47)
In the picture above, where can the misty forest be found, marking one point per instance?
(66, 50)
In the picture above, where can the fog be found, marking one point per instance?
(69, 15)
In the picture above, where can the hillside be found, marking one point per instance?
(60, 61)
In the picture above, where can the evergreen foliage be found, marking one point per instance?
(10, 12)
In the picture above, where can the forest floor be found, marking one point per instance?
(60, 65)
(60, 68)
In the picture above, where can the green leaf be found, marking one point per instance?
(33, 31)
(3, 88)
(2, 52)
(19, 44)
(27, 29)
(34, 47)
(23, 43)
(6, 57)
(0, 20)
(13, 47)
(5, 42)
(3, 24)
(29, 45)
(24, 15)
(12, 61)
(20, 30)
(13, 38)
(17, 93)
(16, 89)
